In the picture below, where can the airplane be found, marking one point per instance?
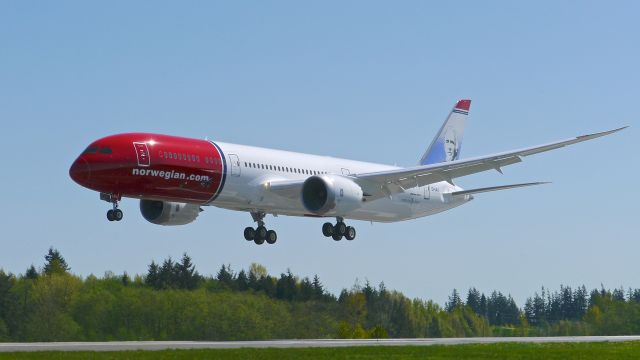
(175, 176)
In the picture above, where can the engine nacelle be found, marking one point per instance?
(331, 195)
(168, 213)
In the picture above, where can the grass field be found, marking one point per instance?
(620, 350)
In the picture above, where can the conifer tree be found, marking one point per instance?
(473, 301)
(318, 290)
(55, 263)
(242, 281)
(186, 275)
(454, 301)
(31, 273)
(153, 275)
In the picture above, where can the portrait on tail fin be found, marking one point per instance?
(451, 149)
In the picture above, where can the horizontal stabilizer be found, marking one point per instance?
(495, 188)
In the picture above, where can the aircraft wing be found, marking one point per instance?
(385, 183)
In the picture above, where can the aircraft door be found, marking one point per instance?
(427, 193)
(235, 164)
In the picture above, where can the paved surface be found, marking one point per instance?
(163, 345)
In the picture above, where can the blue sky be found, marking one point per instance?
(364, 80)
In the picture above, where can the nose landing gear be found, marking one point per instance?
(339, 230)
(114, 214)
(260, 234)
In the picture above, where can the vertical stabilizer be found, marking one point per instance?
(446, 145)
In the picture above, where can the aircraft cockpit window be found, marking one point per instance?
(105, 150)
(90, 150)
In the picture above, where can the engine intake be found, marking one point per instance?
(331, 195)
(168, 213)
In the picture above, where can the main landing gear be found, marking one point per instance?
(338, 230)
(260, 234)
(114, 214)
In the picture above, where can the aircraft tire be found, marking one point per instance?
(340, 229)
(272, 237)
(117, 215)
(327, 229)
(110, 215)
(249, 233)
(261, 233)
(258, 241)
(351, 233)
(336, 237)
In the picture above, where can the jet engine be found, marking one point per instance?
(168, 213)
(331, 195)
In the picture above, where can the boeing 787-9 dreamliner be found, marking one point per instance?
(175, 176)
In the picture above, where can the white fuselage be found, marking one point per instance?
(248, 168)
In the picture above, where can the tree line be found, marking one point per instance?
(172, 301)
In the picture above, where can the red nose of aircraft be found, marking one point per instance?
(80, 171)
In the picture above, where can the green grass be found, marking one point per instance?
(621, 350)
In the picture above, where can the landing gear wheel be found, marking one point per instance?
(261, 234)
(114, 214)
(351, 233)
(271, 237)
(340, 228)
(336, 237)
(249, 233)
(327, 229)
